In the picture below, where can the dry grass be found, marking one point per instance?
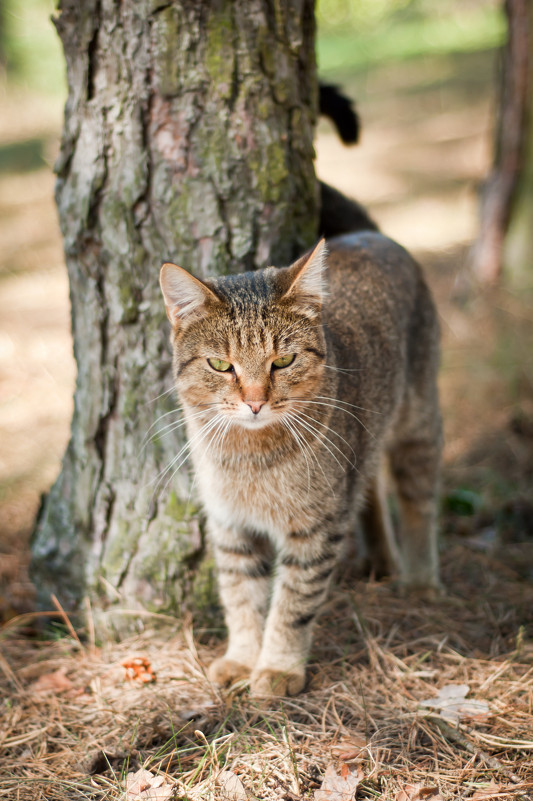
(78, 731)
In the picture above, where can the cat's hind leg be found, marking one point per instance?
(415, 466)
(243, 565)
(378, 530)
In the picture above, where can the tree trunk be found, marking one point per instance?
(188, 137)
(518, 245)
(514, 106)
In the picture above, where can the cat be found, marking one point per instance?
(296, 384)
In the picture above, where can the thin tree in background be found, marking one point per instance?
(506, 200)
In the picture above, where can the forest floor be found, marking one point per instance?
(79, 715)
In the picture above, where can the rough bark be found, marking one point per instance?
(187, 138)
(513, 114)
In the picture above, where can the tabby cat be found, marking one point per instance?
(297, 384)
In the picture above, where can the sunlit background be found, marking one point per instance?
(423, 77)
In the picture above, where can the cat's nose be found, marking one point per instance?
(255, 405)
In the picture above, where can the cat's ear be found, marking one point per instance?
(307, 279)
(185, 296)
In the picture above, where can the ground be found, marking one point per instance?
(75, 720)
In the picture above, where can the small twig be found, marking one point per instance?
(5, 666)
(90, 625)
(458, 737)
(66, 621)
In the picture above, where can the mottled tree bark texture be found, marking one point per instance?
(188, 137)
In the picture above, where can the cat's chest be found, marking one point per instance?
(266, 500)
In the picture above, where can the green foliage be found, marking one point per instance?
(31, 48)
(352, 36)
(463, 502)
(364, 14)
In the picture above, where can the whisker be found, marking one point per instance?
(166, 392)
(165, 430)
(322, 438)
(340, 408)
(183, 450)
(309, 448)
(190, 416)
(320, 423)
(217, 440)
(161, 416)
(344, 369)
(362, 408)
(196, 439)
(225, 430)
(296, 437)
(162, 472)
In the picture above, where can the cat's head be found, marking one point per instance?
(248, 346)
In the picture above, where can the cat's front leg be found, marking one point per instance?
(243, 564)
(304, 570)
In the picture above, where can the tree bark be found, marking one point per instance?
(188, 137)
(513, 120)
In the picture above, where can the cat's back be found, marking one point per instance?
(368, 268)
(378, 296)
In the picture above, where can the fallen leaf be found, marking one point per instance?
(418, 792)
(138, 668)
(341, 787)
(56, 682)
(231, 786)
(492, 790)
(453, 704)
(139, 781)
(348, 749)
(144, 786)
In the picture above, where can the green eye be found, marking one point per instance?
(284, 361)
(219, 365)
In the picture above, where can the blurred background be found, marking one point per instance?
(424, 79)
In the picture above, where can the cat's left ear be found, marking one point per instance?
(307, 279)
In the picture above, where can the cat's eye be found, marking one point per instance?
(219, 365)
(284, 361)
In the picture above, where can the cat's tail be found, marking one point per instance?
(339, 214)
(340, 110)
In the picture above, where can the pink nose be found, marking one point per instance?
(255, 406)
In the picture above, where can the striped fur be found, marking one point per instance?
(286, 457)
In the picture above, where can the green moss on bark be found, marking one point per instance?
(220, 53)
(204, 600)
(166, 35)
(271, 172)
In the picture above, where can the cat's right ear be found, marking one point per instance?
(185, 296)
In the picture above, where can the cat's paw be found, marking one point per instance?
(225, 671)
(418, 591)
(266, 683)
